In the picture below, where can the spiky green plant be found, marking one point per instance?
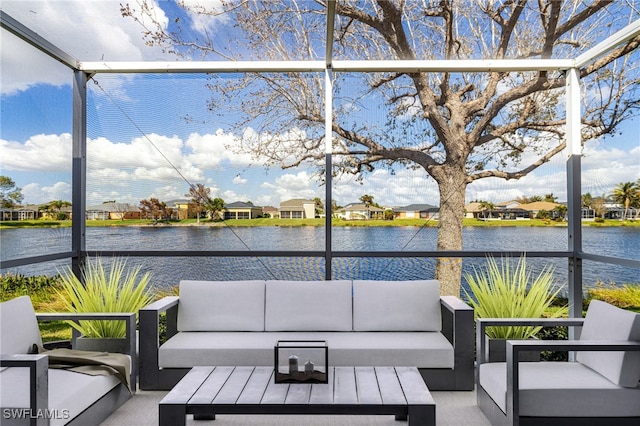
(104, 291)
(504, 291)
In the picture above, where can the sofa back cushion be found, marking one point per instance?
(18, 326)
(308, 306)
(607, 322)
(396, 305)
(221, 306)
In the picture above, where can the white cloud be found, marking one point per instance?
(290, 185)
(41, 153)
(24, 67)
(205, 23)
(87, 30)
(239, 180)
(135, 170)
(210, 150)
(34, 193)
(150, 151)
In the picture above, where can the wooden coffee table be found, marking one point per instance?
(207, 391)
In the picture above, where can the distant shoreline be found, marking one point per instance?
(312, 222)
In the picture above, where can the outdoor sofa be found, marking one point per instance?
(33, 393)
(601, 387)
(365, 323)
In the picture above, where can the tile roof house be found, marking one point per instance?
(357, 211)
(472, 210)
(241, 210)
(416, 211)
(297, 208)
(183, 208)
(270, 211)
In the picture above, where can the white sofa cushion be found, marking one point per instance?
(396, 305)
(221, 306)
(18, 326)
(561, 389)
(419, 349)
(308, 306)
(70, 393)
(607, 322)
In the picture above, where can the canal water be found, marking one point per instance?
(167, 271)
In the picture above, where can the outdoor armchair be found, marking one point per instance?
(601, 387)
(31, 392)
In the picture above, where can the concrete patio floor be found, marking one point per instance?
(452, 408)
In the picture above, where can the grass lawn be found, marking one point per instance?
(308, 222)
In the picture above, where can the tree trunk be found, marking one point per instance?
(452, 182)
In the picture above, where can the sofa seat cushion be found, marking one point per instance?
(419, 349)
(70, 393)
(562, 389)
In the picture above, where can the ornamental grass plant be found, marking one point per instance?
(626, 296)
(505, 290)
(118, 289)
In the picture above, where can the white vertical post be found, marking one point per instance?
(574, 202)
(328, 132)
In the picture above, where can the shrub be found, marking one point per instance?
(504, 291)
(102, 291)
(626, 296)
(40, 288)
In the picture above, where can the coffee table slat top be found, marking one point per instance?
(256, 386)
(390, 389)
(415, 391)
(235, 384)
(211, 385)
(298, 393)
(344, 386)
(274, 394)
(323, 394)
(367, 385)
(185, 389)
(358, 390)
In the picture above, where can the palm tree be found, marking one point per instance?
(626, 194)
(56, 207)
(486, 205)
(367, 200)
(319, 207)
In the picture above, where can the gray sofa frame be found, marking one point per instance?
(457, 326)
(39, 366)
(515, 348)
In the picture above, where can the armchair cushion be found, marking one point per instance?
(606, 322)
(221, 306)
(560, 389)
(18, 326)
(70, 393)
(396, 305)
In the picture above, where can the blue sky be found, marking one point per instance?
(142, 112)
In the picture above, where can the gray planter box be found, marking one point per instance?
(101, 344)
(496, 351)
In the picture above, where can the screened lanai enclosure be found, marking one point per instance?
(327, 118)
